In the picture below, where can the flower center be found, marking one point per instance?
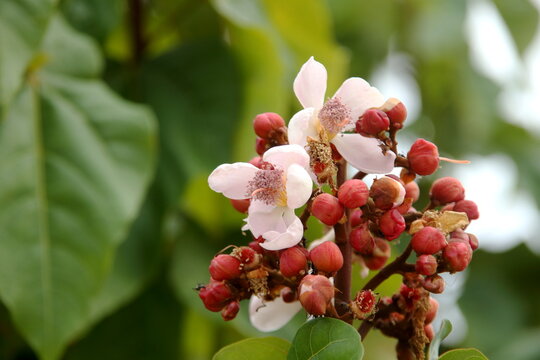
(334, 115)
(268, 186)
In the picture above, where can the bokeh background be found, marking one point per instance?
(199, 71)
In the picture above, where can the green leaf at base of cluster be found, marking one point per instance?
(444, 331)
(326, 338)
(267, 348)
(463, 354)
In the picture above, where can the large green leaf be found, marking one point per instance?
(75, 160)
(463, 354)
(268, 348)
(326, 338)
(22, 24)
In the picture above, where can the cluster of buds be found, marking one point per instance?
(303, 166)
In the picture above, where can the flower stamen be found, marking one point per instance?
(334, 115)
(267, 186)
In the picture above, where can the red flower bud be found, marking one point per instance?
(429, 331)
(327, 257)
(412, 191)
(256, 245)
(260, 145)
(230, 311)
(372, 122)
(387, 193)
(249, 257)
(315, 293)
(381, 254)
(426, 265)
(241, 206)
(457, 255)
(362, 240)
(293, 261)
(469, 207)
(446, 190)
(264, 124)
(256, 161)
(327, 209)
(396, 111)
(460, 235)
(224, 267)
(287, 295)
(423, 157)
(215, 295)
(353, 193)
(428, 240)
(356, 218)
(432, 310)
(473, 241)
(392, 224)
(434, 284)
(363, 304)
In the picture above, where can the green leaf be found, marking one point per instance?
(444, 331)
(22, 24)
(268, 348)
(75, 160)
(463, 354)
(326, 338)
(96, 18)
(521, 17)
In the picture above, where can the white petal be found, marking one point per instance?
(329, 236)
(278, 240)
(285, 155)
(299, 186)
(310, 84)
(364, 153)
(358, 96)
(302, 125)
(271, 315)
(232, 179)
(261, 222)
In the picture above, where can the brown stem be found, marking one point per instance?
(396, 266)
(364, 328)
(136, 20)
(343, 277)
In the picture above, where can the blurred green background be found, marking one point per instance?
(114, 112)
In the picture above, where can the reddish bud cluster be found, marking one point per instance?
(446, 190)
(293, 261)
(353, 193)
(327, 257)
(327, 209)
(315, 293)
(266, 123)
(372, 122)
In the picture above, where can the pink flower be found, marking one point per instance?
(332, 119)
(280, 186)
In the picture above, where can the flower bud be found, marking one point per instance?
(469, 207)
(473, 241)
(460, 235)
(230, 311)
(287, 294)
(396, 111)
(215, 295)
(381, 254)
(224, 267)
(264, 124)
(412, 191)
(362, 240)
(428, 240)
(327, 209)
(429, 331)
(326, 257)
(457, 255)
(434, 284)
(293, 261)
(256, 245)
(241, 206)
(260, 146)
(392, 224)
(356, 218)
(256, 161)
(423, 157)
(426, 265)
(387, 193)
(353, 193)
(315, 293)
(446, 190)
(249, 258)
(363, 305)
(432, 310)
(372, 122)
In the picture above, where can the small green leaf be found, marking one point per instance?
(326, 338)
(268, 348)
(444, 331)
(463, 354)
